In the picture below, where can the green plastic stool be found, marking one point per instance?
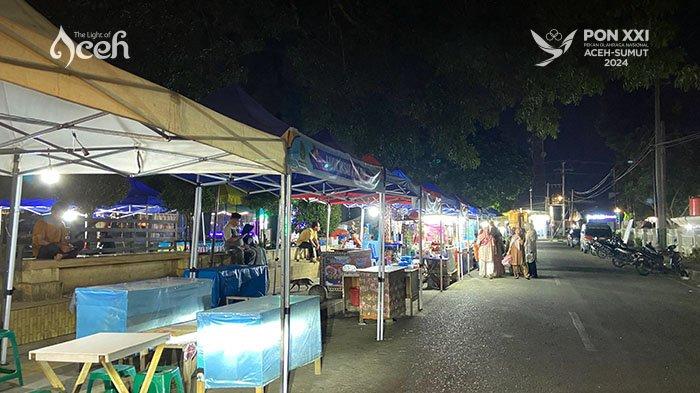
(7, 374)
(162, 380)
(124, 370)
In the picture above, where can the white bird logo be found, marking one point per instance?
(555, 52)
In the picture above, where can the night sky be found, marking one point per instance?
(447, 91)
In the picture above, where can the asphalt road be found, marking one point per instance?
(584, 326)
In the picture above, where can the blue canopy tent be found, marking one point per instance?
(141, 199)
(314, 171)
(40, 206)
(441, 207)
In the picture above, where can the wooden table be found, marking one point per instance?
(102, 348)
(394, 292)
(414, 287)
(183, 337)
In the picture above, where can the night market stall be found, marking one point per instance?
(85, 116)
(442, 229)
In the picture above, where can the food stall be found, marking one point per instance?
(99, 108)
(441, 226)
(394, 292)
(332, 263)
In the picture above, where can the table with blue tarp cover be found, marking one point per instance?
(234, 280)
(238, 345)
(140, 305)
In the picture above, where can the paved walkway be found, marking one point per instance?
(584, 326)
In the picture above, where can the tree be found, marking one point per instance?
(309, 212)
(86, 192)
(413, 83)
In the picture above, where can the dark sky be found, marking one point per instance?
(369, 69)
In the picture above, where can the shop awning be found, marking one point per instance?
(91, 117)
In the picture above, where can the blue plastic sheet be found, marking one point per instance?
(234, 280)
(238, 345)
(373, 245)
(140, 305)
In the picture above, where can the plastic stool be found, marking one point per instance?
(124, 370)
(7, 374)
(162, 380)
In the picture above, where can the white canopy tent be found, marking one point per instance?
(93, 118)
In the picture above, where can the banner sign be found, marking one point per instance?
(308, 157)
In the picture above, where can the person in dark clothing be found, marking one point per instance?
(50, 237)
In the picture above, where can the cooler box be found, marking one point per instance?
(140, 305)
(239, 345)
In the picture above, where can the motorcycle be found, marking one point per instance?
(649, 260)
(600, 248)
(620, 254)
(676, 262)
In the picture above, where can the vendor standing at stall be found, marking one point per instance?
(233, 240)
(308, 240)
(50, 237)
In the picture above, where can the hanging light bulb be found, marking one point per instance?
(70, 215)
(49, 176)
(373, 211)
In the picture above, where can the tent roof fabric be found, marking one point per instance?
(141, 194)
(91, 117)
(235, 103)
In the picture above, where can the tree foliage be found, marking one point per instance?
(86, 192)
(417, 84)
(308, 212)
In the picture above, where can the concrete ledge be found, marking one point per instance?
(99, 260)
(30, 292)
(37, 321)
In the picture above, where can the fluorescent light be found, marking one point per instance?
(373, 211)
(49, 176)
(70, 215)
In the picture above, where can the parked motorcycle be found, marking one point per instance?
(620, 254)
(651, 260)
(676, 262)
(600, 248)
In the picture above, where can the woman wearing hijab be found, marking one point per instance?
(531, 250)
(498, 250)
(517, 256)
(486, 251)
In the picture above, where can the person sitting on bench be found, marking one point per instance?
(308, 240)
(50, 237)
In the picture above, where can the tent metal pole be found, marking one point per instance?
(280, 236)
(196, 216)
(420, 250)
(16, 199)
(458, 235)
(328, 226)
(362, 225)
(442, 247)
(203, 235)
(380, 274)
(284, 386)
(214, 224)
(469, 246)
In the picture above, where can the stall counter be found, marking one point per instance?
(394, 292)
(332, 263)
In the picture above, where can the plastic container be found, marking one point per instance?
(694, 206)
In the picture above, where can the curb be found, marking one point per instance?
(694, 274)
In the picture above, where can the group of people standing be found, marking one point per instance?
(519, 251)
